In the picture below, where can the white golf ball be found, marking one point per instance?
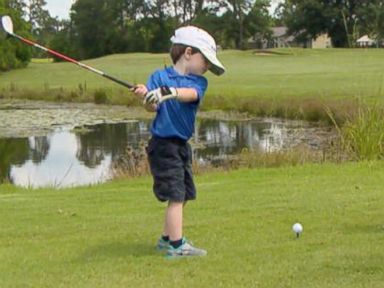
(297, 228)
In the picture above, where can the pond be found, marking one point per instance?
(89, 154)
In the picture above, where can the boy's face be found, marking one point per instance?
(197, 63)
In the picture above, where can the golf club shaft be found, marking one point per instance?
(68, 59)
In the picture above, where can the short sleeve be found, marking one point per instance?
(201, 85)
(154, 81)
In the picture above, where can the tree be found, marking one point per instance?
(63, 39)
(241, 19)
(341, 19)
(37, 15)
(236, 13)
(43, 26)
(186, 11)
(93, 22)
(258, 21)
(306, 18)
(214, 24)
(103, 27)
(160, 23)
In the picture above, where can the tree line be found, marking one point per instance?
(344, 20)
(103, 27)
(97, 28)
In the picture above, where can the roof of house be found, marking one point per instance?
(282, 32)
(365, 38)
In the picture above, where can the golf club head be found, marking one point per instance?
(6, 24)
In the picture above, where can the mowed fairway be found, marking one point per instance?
(104, 236)
(292, 73)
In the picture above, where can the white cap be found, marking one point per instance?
(200, 39)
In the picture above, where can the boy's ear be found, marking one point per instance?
(188, 53)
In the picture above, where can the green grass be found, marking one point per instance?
(311, 73)
(297, 73)
(290, 83)
(103, 236)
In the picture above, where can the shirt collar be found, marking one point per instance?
(172, 73)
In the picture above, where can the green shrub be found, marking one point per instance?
(100, 97)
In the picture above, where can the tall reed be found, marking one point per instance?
(362, 133)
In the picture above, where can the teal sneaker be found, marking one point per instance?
(162, 245)
(185, 250)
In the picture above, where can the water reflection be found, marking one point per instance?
(223, 137)
(12, 152)
(67, 158)
(61, 166)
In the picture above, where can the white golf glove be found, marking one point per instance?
(159, 95)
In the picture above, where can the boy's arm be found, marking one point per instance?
(164, 93)
(187, 94)
(140, 91)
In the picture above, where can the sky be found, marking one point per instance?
(60, 8)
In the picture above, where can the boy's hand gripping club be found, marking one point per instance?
(160, 95)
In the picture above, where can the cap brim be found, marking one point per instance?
(216, 67)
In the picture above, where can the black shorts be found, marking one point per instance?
(170, 160)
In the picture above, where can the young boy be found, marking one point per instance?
(175, 94)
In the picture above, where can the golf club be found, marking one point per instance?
(7, 25)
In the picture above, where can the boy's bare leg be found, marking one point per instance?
(166, 229)
(173, 226)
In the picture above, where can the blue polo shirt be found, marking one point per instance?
(175, 119)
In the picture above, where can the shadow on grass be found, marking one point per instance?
(118, 250)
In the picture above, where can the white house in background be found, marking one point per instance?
(365, 41)
(280, 38)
